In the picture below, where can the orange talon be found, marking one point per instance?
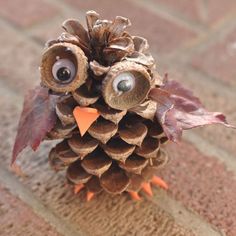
(78, 188)
(159, 182)
(147, 189)
(134, 195)
(90, 195)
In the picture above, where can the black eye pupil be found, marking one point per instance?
(124, 85)
(63, 74)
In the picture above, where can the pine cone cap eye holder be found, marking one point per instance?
(100, 95)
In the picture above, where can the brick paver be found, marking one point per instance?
(17, 219)
(199, 182)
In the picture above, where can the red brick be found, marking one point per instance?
(16, 218)
(202, 184)
(26, 13)
(164, 36)
(219, 59)
(204, 12)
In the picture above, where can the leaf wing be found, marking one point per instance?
(37, 118)
(178, 109)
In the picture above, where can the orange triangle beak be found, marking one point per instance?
(84, 117)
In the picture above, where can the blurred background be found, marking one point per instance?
(195, 42)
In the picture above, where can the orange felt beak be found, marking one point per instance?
(84, 117)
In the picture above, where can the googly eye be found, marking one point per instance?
(64, 70)
(124, 82)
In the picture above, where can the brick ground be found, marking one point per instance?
(198, 181)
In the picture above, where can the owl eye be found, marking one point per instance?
(124, 82)
(64, 67)
(63, 70)
(126, 85)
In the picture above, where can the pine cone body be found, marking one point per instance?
(113, 74)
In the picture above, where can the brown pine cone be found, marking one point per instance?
(113, 73)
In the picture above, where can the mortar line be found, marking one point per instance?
(19, 190)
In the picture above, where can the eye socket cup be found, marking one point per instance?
(63, 67)
(126, 85)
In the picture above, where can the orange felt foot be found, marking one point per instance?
(90, 195)
(134, 195)
(78, 188)
(146, 187)
(159, 182)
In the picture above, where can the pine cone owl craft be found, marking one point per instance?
(111, 112)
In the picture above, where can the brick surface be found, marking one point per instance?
(224, 67)
(17, 219)
(25, 13)
(205, 12)
(199, 182)
(157, 30)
